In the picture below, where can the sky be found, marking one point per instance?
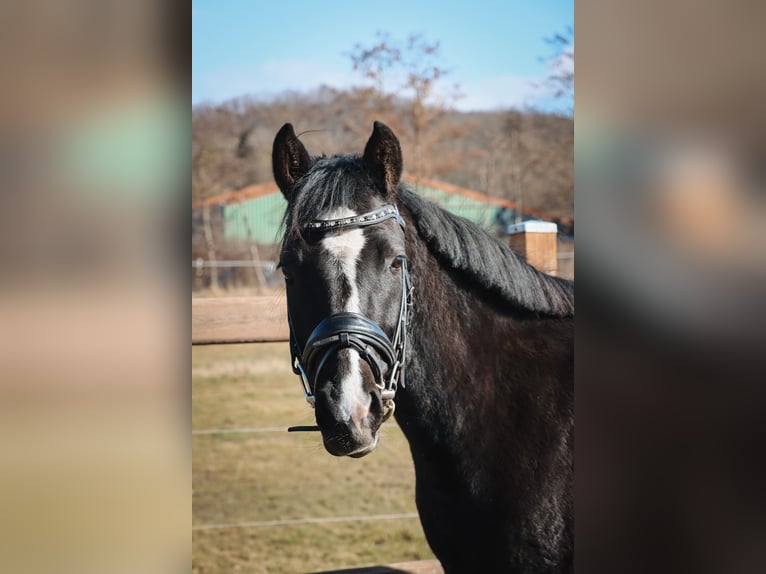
(494, 49)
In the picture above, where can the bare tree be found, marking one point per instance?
(561, 77)
(415, 68)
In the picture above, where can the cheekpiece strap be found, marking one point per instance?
(370, 218)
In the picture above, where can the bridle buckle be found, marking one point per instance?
(298, 369)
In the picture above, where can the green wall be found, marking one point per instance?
(260, 219)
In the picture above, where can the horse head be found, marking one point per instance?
(344, 262)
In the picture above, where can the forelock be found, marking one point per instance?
(332, 182)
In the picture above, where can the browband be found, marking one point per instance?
(370, 218)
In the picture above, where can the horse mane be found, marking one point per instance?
(486, 262)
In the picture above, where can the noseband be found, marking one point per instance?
(355, 331)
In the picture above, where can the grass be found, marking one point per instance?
(275, 475)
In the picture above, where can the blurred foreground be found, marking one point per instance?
(670, 148)
(93, 353)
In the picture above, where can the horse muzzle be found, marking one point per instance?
(348, 369)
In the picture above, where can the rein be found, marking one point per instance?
(346, 330)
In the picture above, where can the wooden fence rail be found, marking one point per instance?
(417, 567)
(239, 320)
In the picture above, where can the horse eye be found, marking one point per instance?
(397, 262)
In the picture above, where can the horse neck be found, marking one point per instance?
(443, 345)
(467, 353)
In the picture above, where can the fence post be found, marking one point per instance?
(535, 241)
(208, 229)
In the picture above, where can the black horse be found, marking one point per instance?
(392, 300)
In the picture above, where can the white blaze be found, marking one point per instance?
(344, 247)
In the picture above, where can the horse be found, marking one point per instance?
(397, 306)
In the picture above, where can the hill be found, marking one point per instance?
(525, 157)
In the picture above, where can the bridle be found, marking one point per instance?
(355, 331)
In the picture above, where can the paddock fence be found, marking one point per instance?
(263, 319)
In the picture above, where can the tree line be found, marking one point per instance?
(523, 156)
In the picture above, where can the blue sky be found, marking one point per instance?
(492, 47)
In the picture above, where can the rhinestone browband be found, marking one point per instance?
(370, 218)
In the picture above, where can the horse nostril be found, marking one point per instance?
(359, 414)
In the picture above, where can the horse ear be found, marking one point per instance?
(289, 159)
(383, 157)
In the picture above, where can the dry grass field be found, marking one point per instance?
(256, 477)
